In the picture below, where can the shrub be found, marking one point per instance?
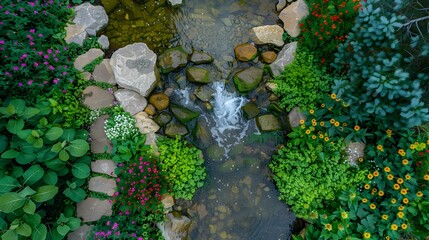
(302, 83)
(121, 125)
(184, 165)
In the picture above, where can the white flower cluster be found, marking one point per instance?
(121, 126)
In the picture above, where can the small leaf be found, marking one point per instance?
(18, 104)
(29, 207)
(77, 195)
(8, 183)
(68, 134)
(78, 147)
(33, 174)
(4, 143)
(14, 126)
(38, 143)
(26, 192)
(10, 235)
(74, 223)
(9, 154)
(57, 147)
(63, 155)
(54, 133)
(55, 164)
(24, 230)
(50, 177)
(10, 202)
(29, 113)
(45, 193)
(23, 134)
(63, 229)
(80, 170)
(39, 232)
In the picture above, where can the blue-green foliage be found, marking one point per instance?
(380, 81)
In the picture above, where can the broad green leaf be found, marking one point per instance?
(44, 108)
(14, 126)
(25, 158)
(39, 232)
(19, 105)
(10, 109)
(7, 183)
(63, 229)
(55, 164)
(78, 147)
(26, 192)
(50, 177)
(10, 154)
(68, 134)
(23, 134)
(38, 143)
(3, 224)
(4, 143)
(80, 170)
(63, 155)
(17, 172)
(54, 133)
(82, 134)
(77, 195)
(43, 122)
(32, 219)
(45, 193)
(24, 230)
(33, 174)
(29, 207)
(57, 147)
(4, 111)
(10, 202)
(9, 235)
(74, 223)
(29, 112)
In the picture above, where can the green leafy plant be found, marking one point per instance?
(184, 164)
(121, 125)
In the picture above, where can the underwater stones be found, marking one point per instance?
(75, 34)
(268, 57)
(228, 166)
(173, 129)
(248, 79)
(172, 58)
(250, 110)
(102, 185)
(110, 5)
(199, 57)
(284, 58)
(204, 93)
(134, 68)
(159, 100)
(292, 15)
(175, 227)
(175, 3)
(214, 152)
(103, 72)
(99, 141)
(145, 124)
(267, 34)
(86, 58)
(355, 150)
(202, 134)
(294, 117)
(183, 114)
(245, 52)
(96, 98)
(92, 18)
(197, 75)
(163, 119)
(104, 166)
(131, 101)
(268, 123)
(92, 209)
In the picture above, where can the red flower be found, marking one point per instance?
(334, 26)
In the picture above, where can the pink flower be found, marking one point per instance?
(32, 4)
(16, 68)
(40, 35)
(108, 223)
(20, 84)
(23, 64)
(115, 225)
(32, 30)
(7, 12)
(1, 41)
(55, 81)
(30, 82)
(35, 64)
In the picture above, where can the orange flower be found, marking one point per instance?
(405, 200)
(400, 214)
(400, 180)
(380, 193)
(387, 169)
(328, 227)
(405, 162)
(356, 128)
(419, 194)
(376, 174)
(334, 26)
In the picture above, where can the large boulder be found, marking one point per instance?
(159, 100)
(248, 79)
(284, 58)
(175, 227)
(202, 134)
(75, 34)
(173, 129)
(245, 52)
(145, 124)
(292, 15)
(134, 67)
(91, 18)
(268, 34)
(268, 123)
(183, 114)
(172, 59)
(281, 4)
(197, 75)
(199, 57)
(131, 101)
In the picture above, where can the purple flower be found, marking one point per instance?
(36, 12)
(32, 30)
(1, 41)
(30, 82)
(40, 53)
(35, 64)
(55, 81)
(23, 56)
(40, 35)
(115, 225)
(45, 82)
(51, 67)
(20, 84)
(7, 12)
(31, 43)
(64, 73)
(45, 56)
(108, 223)
(32, 4)
(49, 51)
(16, 68)
(23, 64)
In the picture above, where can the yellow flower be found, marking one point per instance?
(372, 206)
(357, 128)
(390, 177)
(426, 177)
(404, 226)
(393, 201)
(387, 169)
(401, 152)
(404, 191)
(394, 227)
(328, 227)
(374, 190)
(400, 180)
(323, 105)
(333, 95)
(311, 111)
(413, 146)
(360, 159)
(336, 124)
(405, 200)
(376, 174)
(419, 194)
(314, 124)
(301, 121)
(387, 238)
(340, 227)
(380, 193)
(332, 121)
(389, 132)
(321, 136)
(401, 208)
(396, 186)
(408, 177)
(322, 124)
(380, 148)
(405, 162)
(307, 131)
(326, 139)
(400, 214)
(313, 137)
(384, 217)
(366, 235)
(370, 176)
(344, 215)
(344, 124)
(427, 141)
(364, 200)
(366, 186)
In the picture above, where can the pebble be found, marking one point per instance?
(266, 189)
(223, 235)
(211, 197)
(234, 189)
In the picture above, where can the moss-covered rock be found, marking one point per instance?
(248, 79)
(183, 114)
(197, 75)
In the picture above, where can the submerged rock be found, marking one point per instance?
(268, 34)
(173, 129)
(215, 153)
(245, 52)
(171, 59)
(134, 67)
(175, 3)
(183, 114)
(199, 57)
(197, 75)
(284, 58)
(268, 122)
(202, 134)
(110, 5)
(159, 100)
(248, 79)
(292, 15)
(250, 110)
(204, 93)
(163, 119)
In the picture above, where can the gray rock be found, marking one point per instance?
(99, 141)
(291, 16)
(294, 117)
(175, 227)
(75, 34)
(92, 209)
(103, 40)
(104, 166)
(163, 119)
(354, 151)
(199, 57)
(86, 58)
(171, 59)
(268, 123)
(145, 124)
(134, 67)
(96, 98)
(204, 93)
(173, 129)
(197, 75)
(82, 233)
(102, 185)
(183, 114)
(92, 18)
(280, 5)
(131, 101)
(248, 79)
(202, 134)
(103, 73)
(284, 58)
(175, 3)
(250, 110)
(267, 34)
(215, 153)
